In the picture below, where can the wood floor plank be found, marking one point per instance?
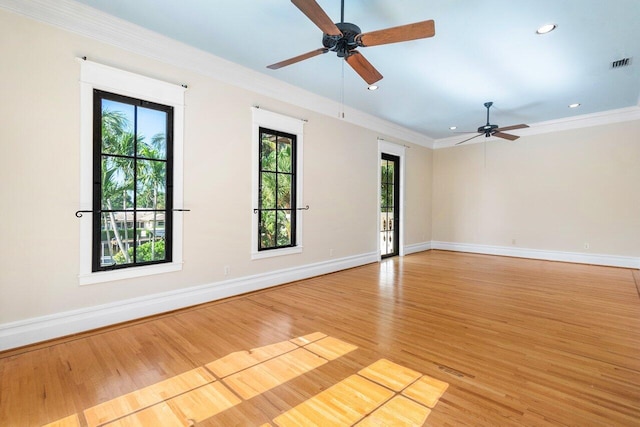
(330, 348)
(70, 421)
(426, 390)
(390, 375)
(272, 373)
(202, 403)
(342, 404)
(309, 338)
(520, 342)
(145, 397)
(397, 412)
(239, 360)
(159, 415)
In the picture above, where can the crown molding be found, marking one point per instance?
(567, 123)
(92, 23)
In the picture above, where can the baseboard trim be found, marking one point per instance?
(575, 257)
(417, 247)
(37, 329)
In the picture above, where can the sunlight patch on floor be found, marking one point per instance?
(342, 404)
(70, 421)
(383, 393)
(148, 396)
(272, 373)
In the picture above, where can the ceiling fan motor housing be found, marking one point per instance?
(487, 129)
(342, 45)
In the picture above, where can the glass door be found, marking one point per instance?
(389, 205)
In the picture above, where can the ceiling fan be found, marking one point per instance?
(344, 37)
(493, 130)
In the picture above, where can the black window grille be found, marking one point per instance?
(277, 190)
(132, 182)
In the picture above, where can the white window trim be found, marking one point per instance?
(399, 151)
(98, 76)
(279, 122)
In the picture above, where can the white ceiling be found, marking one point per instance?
(483, 50)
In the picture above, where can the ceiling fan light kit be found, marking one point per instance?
(546, 29)
(344, 38)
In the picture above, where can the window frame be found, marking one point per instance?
(109, 79)
(292, 173)
(98, 97)
(287, 125)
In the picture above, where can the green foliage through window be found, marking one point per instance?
(386, 193)
(144, 253)
(277, 190)
(132, 181)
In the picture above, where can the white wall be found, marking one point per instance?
(39, 189)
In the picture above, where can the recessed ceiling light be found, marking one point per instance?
(372, 87)
(547, 28)
(453, 127)
(576, 105)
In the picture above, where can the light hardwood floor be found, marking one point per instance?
(519, 342)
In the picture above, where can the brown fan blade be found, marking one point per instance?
(505, 136)
(298, 58)
(314, 12)
(469, 139)
(514, 127)
(403, 33)
(363, 67)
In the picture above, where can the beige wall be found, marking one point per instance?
(39, 178)
(553, 191)
(419, 184)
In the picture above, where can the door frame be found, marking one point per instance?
(397, 150)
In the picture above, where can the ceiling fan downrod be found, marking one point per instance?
(488, 105)
(487, 129)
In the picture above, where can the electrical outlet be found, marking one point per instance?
(227, 269)
(330, 252)
(513, 241)
(586, 245)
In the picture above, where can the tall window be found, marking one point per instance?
(132, 182)
(277, 190)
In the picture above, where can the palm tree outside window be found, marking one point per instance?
(277, 190)
(132, 176)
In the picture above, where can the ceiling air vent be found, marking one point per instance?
(621, 63)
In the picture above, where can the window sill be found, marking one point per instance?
(276, 252)
(128, 273)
